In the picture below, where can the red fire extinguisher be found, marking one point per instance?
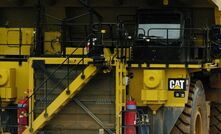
(22, 115)
(130, 117)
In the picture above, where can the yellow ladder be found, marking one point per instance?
(61, 100)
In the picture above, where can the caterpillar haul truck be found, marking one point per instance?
(154, 71)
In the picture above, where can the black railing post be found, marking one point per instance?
(130, 50)
(167, 36)
(63, 38)
(31, 118)
(68, 75)
(118, 40)
(186, 45)
(83, 76)
(208, 48)
(46, 99)
(117, 48)
(39, 44)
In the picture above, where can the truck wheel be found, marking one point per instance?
(215, 118)
(193, 119)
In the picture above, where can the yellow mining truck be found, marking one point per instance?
(154, 71)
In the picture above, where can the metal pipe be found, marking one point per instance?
(92, 115)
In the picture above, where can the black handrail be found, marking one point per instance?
(60, 82)
(52, 74)
(45, 82)
(60, 65)
(184, 46)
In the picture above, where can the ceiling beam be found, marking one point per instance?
(110, 3)
(17, 2)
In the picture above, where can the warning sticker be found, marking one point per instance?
(179, 94)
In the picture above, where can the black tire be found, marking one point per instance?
(215, 118)
(195, 109)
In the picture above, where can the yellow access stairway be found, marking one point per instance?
(61, 100)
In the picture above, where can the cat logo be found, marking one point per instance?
(177, 84)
